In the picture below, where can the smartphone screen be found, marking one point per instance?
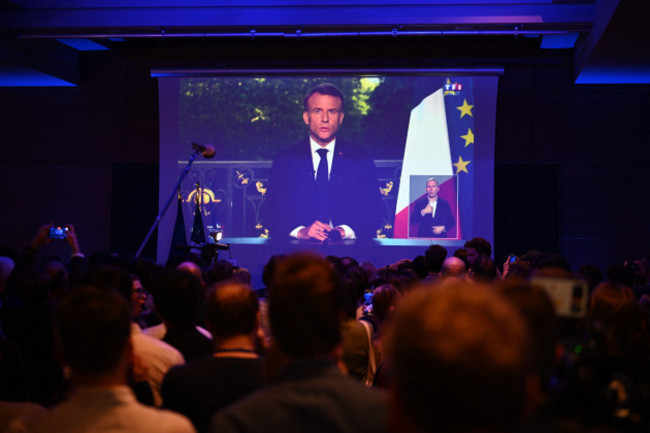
(58, 232)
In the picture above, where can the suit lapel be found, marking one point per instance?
(339, 161)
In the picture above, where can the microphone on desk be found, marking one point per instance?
(333, 236)
(207, 150)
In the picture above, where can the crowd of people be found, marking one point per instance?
(442, 342)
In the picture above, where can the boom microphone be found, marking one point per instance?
(206, 150)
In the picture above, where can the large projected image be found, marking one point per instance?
(411, 162)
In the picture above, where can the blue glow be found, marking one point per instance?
(614, 75)
(556, 42)
(26, 77)
(82, 44)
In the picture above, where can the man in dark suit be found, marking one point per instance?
(432, 213)
(323, 187)
(307, 391)
(232, 371)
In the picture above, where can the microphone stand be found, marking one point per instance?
(169, 201)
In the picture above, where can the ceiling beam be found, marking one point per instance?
(26, 21)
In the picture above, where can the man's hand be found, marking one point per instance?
(317, 230)
(438, 229)
(71, 239)
(427, 210)
(42, 237)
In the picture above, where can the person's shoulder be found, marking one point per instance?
(349, 146)
(156, 331)
(195, 369)
(277, 405)
(143, 345)
(249, 414)
(16, 416)
(353, 327)
(70, 417)
(298, 147)
(167, 420)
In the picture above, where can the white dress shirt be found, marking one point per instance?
(111, 409)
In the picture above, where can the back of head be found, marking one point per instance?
(177, 296)
(220, 271)
(621, 274)
(108, 277)
(461, 253)
(355, 283)
(269, 268)
(192, 268)
(484, 270)
(370, 269)
(242, 275)
(419, 265)
(615, 315)
(92, 327)
(520, 270)
(453, 267)
(385, 299)
(593, 275)
(482, 246)
(435, 257)
(611, 303)
(461, 356)
(537, 309)
(554, 261)
(231, 310)
(57, 274)
(305, 306)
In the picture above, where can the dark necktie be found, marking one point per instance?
(321, 172)
(322, 184)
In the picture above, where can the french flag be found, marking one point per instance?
(426, 154)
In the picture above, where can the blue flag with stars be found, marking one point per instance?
(460, 109)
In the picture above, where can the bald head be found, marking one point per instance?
(453, 267)
(192, 268)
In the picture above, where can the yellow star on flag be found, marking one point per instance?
(465, 109)
(461, 165)
(469, 138)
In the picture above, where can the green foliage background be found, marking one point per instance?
(250, 118)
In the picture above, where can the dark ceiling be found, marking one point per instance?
(44, 37)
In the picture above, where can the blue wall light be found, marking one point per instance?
(557, 42)
(82, 44)
(614, 75)
(18, 76)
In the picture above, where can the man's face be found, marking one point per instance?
(472, 255)
(323, 117)
(138, 298)
(432, 189)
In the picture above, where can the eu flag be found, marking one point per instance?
(198, 234)
(179, 238)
